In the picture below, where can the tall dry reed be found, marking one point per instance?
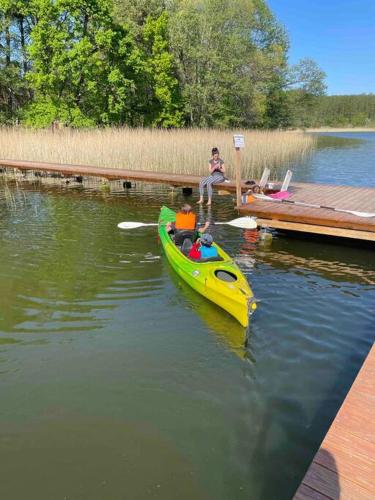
(185, 151)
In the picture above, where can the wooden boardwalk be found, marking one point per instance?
(344, 466)
(287, 216)
(111, 173)
(278, 215)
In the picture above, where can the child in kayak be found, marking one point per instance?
(217, 169)
(203, 249)
(185, 225)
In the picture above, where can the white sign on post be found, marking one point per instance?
(239, 141)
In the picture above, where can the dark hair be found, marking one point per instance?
(215, 151)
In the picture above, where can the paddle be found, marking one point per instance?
(241, 222)
(311, 205)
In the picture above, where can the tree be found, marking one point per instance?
(149, 23)
(85, 68)
(305, 85)
(134, 13)
(15, 26)
(307, 77)
(161, 63)
(227, 54)
(166, 107)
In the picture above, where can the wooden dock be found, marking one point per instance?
(111, 173)
(278, 215)
(286, 216)
(344, 466)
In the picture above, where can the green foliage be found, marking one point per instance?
(159, 63)
(302, 87)
(227, 54)
(307, 77)
(83, 63)
(345, 110)
(14, 32)
(43, 112)
(160, 67)
(135, 12)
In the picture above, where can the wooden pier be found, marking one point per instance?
(344, 466)
(110, 173)
(278, 215)
(290, 217)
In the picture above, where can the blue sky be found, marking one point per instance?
(338, 35)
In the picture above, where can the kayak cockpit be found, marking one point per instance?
(183, 240)
(224, 275)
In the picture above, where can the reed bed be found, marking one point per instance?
(184, 151)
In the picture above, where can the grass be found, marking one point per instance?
(184, 151)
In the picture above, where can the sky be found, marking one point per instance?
(338, 34)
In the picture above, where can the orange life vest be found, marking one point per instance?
(186, 221)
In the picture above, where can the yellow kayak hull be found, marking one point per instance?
(221, 282)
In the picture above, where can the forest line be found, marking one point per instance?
(159, 63)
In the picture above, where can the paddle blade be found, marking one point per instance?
(244, 223)
(133, 225)
(358, 214)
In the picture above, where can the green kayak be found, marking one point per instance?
(220, 281)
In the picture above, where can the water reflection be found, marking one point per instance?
(245, 258)
(329, 269)
(66, 268)
(341, 158)
(333, 141)
(227, 330)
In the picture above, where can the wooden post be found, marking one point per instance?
(239, 142)
(238, 177)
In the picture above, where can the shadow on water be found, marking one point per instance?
(288, 433)
(287, 462)
(329, 407)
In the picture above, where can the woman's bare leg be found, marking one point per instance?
(202, 183)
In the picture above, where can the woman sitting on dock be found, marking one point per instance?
(217, 170)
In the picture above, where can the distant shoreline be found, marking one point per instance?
(341, 129)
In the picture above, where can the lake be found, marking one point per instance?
(117, 381)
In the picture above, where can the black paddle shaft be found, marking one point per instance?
(308, 204)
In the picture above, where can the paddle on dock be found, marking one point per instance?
(311, 205)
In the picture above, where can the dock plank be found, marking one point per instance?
(320, 230)
(344, 466)
(307, 493)
(334, 486)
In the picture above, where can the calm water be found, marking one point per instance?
(346, 158)
(118, 382)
